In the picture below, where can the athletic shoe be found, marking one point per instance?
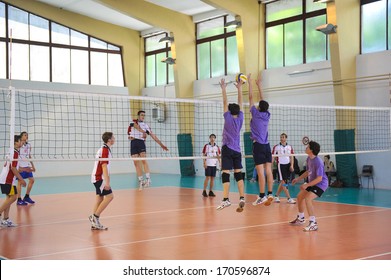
(204, 194)
(224, 204)
(291, 201)
(147, 183)
(28, 200)
(297, 221)
(312, 226)
(253, 180)
(277, 199)
(94, 221)
(99, 227)
(21, 202)
(140, 185)
(212, 194)
(8, 223)
(269, 200)
(259, 200)
(241, 205)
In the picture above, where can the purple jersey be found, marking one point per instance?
(259, 125)
(231, 131)
(315, 168)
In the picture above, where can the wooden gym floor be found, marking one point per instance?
(172, 222)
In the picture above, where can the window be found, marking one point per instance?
(291, 38)
(217, 51)
(156, 72)
(43, 50)
(375, 25)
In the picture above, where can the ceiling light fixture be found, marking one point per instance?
(166, 39)
(323, 1)
(267, 1)
(327, 28)
(169, 60)
(234, 23)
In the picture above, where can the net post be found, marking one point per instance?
(12, 120)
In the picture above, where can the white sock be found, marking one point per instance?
(147, 176)
(140, 178)
(312, 219)
(301, 215)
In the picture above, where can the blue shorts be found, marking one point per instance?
(261, 153)
(137, 146)
(26, 175)
(210, 171)
(230, 159)
(100, 192)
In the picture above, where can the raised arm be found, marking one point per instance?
(223, 86)
(250, 90)
(259, 84)
(240, 94)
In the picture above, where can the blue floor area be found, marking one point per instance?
(72, 184)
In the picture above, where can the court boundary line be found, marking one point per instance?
(374, 256)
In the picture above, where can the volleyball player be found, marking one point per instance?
(137, 134)
(285, 167)
(100, 177)
(231, 156)
(317, 184)
(7, 183)
(212, 151)
(26, 168)
(262, 153)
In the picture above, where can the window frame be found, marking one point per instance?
(226, 34)
(52, 45)
(166, 49)
(303, 18)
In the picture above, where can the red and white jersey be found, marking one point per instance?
(210, 150)
(97, 172)
(280, 149)
(135, 133)
(24, 154)
(7, 176)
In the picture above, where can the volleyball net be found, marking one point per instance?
(69, 125)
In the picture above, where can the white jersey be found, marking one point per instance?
(24, 155)
(97, 172)
(135, 133)
(6, 175)
(211, 151)
(280, 149)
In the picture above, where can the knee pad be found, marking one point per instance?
(225, 177)
(238, 176)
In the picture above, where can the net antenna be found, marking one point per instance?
(11, 95)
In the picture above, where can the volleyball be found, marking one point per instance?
(241, 77)
(305, 140)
